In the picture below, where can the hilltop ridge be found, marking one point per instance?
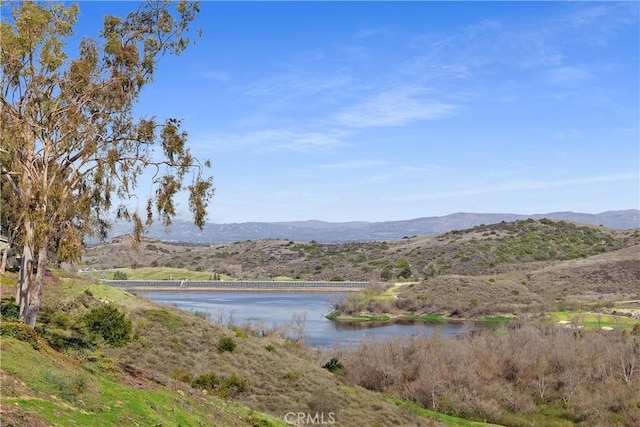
(360, 231)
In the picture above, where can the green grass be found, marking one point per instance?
(430, 318)
(283, 279)
(592, 320)
(62, 393)
(357, 318)
(495, 319)
(161, 273)
(333, 316)
(546, 415)
(448, 420)
(8, 279)
(367, 318)
(103, 292)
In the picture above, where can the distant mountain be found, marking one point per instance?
(333, 232)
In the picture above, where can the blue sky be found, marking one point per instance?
(378, 111)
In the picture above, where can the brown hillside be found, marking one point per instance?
(492, 249)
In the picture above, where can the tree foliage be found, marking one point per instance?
(71, 149)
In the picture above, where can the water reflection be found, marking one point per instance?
(279, 308)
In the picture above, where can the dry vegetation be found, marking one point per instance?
(528, 374)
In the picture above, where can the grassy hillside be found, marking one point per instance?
(46, 387)
(172, 371)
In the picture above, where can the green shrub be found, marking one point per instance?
(226, 344)
(231, 386)
(256, 420)
(9, 310)
(64, 331)
(333, 365)
(120, 275)
(387, 273)
(206, 381)
(270, 348)
(21, 332)
(109, 323)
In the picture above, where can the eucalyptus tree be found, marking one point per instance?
(72, 151)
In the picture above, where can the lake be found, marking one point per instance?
(268, 309)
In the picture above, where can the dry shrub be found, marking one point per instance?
(591, 374)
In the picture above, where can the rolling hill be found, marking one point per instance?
(331, 232)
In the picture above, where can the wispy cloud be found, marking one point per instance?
(304, 76)
(218, 75)
(568, 75)
(272, 140)
(296, 84)
(518, 186)
(568, 134)
(354, 164)
(394, 107)
(597, 23)
(537, 44)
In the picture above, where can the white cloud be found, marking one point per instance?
(568, 75)
(218, 75)
(518, 186)
(272, 140)
(353, 164)
(293, 85)
(394, 107)
(569, 134)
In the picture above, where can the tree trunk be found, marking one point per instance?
(5, 254)
(24, 281)
(3, 263)
(35, 291)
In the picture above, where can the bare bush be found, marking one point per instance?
(592, 375)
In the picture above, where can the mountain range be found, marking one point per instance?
(182, 231)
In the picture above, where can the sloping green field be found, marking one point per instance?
(49, 388)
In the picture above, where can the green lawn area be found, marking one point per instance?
(592, 320)
(161, 273)
(167, 273)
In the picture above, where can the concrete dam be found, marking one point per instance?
(236, 285)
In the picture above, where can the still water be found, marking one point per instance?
(269, 309)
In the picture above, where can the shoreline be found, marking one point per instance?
(392, 318)
(230, 289)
